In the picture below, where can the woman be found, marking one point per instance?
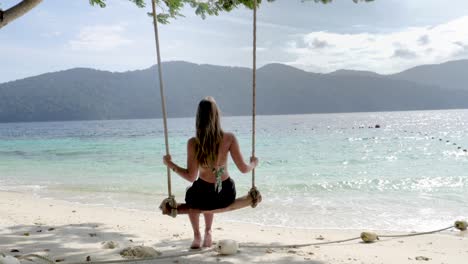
(207, 156)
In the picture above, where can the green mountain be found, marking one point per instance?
(84, 94)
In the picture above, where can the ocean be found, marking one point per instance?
(318, 171)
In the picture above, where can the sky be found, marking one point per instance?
(385, 36)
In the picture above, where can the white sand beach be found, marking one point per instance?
(71, 232)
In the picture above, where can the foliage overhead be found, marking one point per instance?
(172, 8)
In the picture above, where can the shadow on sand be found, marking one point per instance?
(75, 242)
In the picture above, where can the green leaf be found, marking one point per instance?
(203, 8)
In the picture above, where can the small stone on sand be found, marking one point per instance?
(139, 252)
(109, 245)
(422, 258)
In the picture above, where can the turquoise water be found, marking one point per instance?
(316, 171)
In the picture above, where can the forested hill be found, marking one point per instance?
(83, 94)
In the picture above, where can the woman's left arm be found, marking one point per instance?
(189, 173)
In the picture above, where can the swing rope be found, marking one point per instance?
(171, 199)
(254, 83)
(254, 193)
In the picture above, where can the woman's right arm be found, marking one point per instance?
(189, 173)
(238, 159)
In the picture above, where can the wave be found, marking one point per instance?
(13, 153)
(421, 184)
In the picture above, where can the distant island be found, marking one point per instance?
(88, 94)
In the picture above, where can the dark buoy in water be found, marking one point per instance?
(440, 139)
(465, 150)
(459, 147)
(377, 126)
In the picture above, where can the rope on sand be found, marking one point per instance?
(298, 245)
(182, 254)
(369, 237)
(366, 237)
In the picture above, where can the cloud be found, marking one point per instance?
(404, 54)
(99, 38)
(320, 44)
(261, 24)
(423, 40)
(51, 34)
(380, 52)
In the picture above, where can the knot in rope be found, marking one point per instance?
(256, 197)
(169, 206)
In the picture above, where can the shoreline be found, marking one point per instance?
(118, 203)
(72, 231)
(236, 116)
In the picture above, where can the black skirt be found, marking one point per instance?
(202, 195)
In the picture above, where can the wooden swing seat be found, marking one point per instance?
(251, 199)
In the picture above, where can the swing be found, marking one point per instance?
(169, 205)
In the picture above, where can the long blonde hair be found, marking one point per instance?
(209, 133)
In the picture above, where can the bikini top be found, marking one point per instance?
(218, 173)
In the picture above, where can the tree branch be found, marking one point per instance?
(174, 7)
(17, 11)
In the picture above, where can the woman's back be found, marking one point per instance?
(206, 173)
(227, 145)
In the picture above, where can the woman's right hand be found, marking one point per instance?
(167, 160)
(254, 161)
